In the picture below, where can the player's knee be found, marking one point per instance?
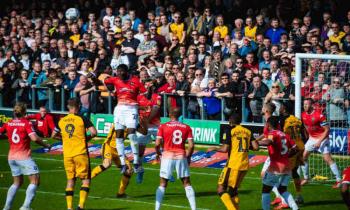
(186, 181)
(131, 130)
(220, 190)
(232, 191)
(295, 174)
(344, 188)
(266, 189)
(282, 189)
(106, 164)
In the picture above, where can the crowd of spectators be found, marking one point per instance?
(241, 52)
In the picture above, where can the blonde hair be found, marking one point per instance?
(20, 109)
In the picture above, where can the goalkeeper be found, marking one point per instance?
(109, 153)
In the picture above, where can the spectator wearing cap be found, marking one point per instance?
(129, 47)
(45, 54)
(227, 91)
(275, 31)
(82, 53)
(178, 28)
(196, 22)
(256, 93)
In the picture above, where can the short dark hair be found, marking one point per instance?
(73, 103)
(123, 67)
(175, 112)
(273, 121)
(235, 118)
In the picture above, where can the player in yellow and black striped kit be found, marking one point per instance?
(76, 159)
(294, 127)
(109, 154)
(237, 141)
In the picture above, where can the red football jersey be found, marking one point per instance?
(174, 135)
(278, 151)
(145, 107)
(126, 91)
(346, 176)
(18, 131)
(44, 125)
(313, 123)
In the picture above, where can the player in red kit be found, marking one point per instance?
(345, 184)
(173, 135)
(127, 88)
(20, 132)
(149, 120)
(280, 148)
(44, 123)
(318, 129)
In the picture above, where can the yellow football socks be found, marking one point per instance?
(69, 197)
(123, 184)
(97, 170)
(84, 191)
(226, 199)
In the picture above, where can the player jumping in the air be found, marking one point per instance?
(318, 129)
(174, 134)
(149, 115)
(20, 132)
(127, 88)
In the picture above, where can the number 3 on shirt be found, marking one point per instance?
(177, 137)
(284, 147)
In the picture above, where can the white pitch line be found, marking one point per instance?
(113, 199)
(155, 169)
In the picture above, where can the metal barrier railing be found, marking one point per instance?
(65, 94)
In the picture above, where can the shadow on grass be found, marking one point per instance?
(322, 202)
(110, 209)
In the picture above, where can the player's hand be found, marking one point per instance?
(317, 145)
(158, 157)
(189, 160)
(49, 146)
(211, 149)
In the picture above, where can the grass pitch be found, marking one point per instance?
(50, 194)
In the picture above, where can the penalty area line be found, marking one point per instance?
(112, 199)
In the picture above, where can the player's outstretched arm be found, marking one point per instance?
(255, 145)
(55, 134)
(34, 137)
(265, 142)
(223, 148)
